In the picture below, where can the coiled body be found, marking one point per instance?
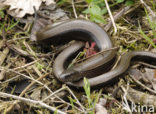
(83, 30)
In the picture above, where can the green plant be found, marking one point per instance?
(78, 57)
(55, 112)
(153, 27)
(62, 2)
(97, 8)
(39, 66)
(9, 24)
(91, 102)
(153, 4)
(149, 40)
(72, 101)
(1, 14)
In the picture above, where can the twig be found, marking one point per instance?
(117, 16)
(32, 83)
(3, 55)
(37, 70)
(111, 17)
(29, 49)
(82, 112)
(101, 52)
(148, 8)
(26, 65)
(146, 64)
(31, 101)
(26, 37)
(143, 98)
(10, 79)
(18, 51)
(125, 102)
(147, 88)
(74, 10)
(5, 52)
(117, 61)
(3, 34)
(1, 68)
(24, 91)
(75, 98)
(53, 94)
(2, 73)
(24, 53)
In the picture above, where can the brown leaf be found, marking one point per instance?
(137, 74)
(99, 107)
(150, 74)
(18, 8)
(36, 95)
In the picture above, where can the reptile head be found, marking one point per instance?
(70, 75)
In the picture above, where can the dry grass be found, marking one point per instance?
(40, 92)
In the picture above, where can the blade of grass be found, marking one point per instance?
(147, 38)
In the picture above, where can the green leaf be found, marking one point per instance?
(86, 11)
(62, 2)
(104, 11)
(87, 90)
(96, 1)
(129, 2)
(98, 19)
(100, 3)
(96, 14)
(72, 101)
(119, 1)
(89, 1)
(147, 38)
(151, 23)
(95, 9)
(1, 13)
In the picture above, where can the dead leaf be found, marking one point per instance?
(2, 5)
(36, 95)
(137, 74)
(48, 2)
(150, 75)
(18, 8)
(99, 107)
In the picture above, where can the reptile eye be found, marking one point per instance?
(70, 75)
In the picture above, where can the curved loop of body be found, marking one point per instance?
(83, 31)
